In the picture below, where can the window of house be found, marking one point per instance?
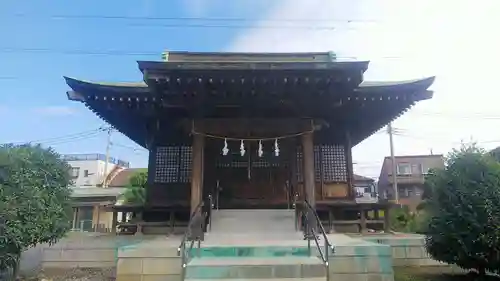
(425, 170)
(86, 173)
(75, 172)
(417, 169)
(409, 192)
(404, 169)
(418, 191)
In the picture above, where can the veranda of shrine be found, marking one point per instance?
(251, 130)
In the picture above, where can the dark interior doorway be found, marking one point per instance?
(248, 181)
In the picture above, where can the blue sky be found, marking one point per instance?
(36, 36)
(402, 39)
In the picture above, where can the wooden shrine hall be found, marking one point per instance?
(251, 130)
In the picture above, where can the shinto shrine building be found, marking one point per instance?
(253, 130)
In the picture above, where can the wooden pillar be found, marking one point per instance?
(350, 173)
(362, 219)
(75, 217)
(172, 221)
(197, 172)
(96, 225)
(114, 222)
(309, 180)
(330, 221)
(387, 224)
(308, 162)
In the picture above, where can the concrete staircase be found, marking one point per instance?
(253, 221)
(254, 244)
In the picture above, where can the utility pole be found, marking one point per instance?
(394, 167)
(108, 147)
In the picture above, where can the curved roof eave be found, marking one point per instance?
(421, 84)
(83, 87)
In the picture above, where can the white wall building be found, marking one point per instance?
(88, 170)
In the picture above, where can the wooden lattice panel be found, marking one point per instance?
(334, 163)
(317, 163)
(300, 164)
(260, 162)
(173, 164)
(186, 161)
(331, 157)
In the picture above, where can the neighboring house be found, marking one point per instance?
(366, 190)
(411, 171)
(91, 195)
(88, 170)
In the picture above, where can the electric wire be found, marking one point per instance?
(64, 138)
(155, 18)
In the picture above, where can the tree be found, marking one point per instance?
(34, 200)
(136, 188)
(463, 205)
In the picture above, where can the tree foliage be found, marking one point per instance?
(136, 188)
(34, 199)
(463, 204)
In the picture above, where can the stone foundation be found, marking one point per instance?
(353, 260)
(406, 249)
(149, 261)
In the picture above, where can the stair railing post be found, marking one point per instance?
(210, 212)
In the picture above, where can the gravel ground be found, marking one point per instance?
(75, 274)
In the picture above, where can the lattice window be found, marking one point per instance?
(173, 164)
(239, 161)
(317, 163)
(260, 162)
(300, 164)
(331, 157)
(186, 161)
(334, 163)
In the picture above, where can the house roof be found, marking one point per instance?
(362, 178)
(123, 177)
(86, 192)
(417, 156)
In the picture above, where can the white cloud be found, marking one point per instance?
(453, 40)
(55, 110)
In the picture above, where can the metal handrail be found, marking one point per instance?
(182, 250)
(310, 231)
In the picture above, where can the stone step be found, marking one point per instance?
(265, 279)
(253, 221)
(249, 251)
(249, 268)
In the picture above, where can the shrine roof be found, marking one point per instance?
(122, 88)
(309, 85)
(252, 65)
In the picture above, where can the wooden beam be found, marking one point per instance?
(114, 221)
(350, 173)
(308, 162)
(362, 219)
(309, 180)
(197, 171)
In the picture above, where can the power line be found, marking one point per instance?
(133, 53)
(206, 19)
(65, 138)
(206, 22)
(135, 149)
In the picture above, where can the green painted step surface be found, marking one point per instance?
(241, 267)
(266, 279)
(272, 251)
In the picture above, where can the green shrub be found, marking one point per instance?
(463, 204)
(34, 200)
